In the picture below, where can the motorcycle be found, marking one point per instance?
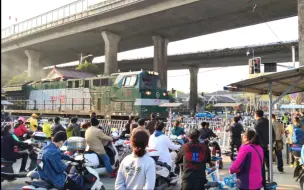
(38, 141)
(163, 178)
(299, 169)
(91, 158)
(216, 154)
(88, 177)
(7, 172)
(122, 145)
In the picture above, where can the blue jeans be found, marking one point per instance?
(181, 141)
(106, 160)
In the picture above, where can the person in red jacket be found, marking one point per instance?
(20, 128)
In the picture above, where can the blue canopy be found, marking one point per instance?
(291, 106)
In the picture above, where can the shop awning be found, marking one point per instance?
(280, 82)
(292, 106)
(227, 105)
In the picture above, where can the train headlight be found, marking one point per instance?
(165, 94)
(148, 92)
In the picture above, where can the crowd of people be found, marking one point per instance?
(138, 170)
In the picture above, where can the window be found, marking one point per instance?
(70, 84)
(87, 83)
(96, 82)
(76, 83)
(130, 80)
(104, 82)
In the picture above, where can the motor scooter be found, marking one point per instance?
(87, 177)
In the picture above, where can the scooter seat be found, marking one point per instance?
(13, 175)
(43, 184)
(211, 185)
(3, 161)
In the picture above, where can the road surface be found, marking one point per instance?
(285, 181)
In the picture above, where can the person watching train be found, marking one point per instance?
(137, 170)
(33, 121)
(162, 143)
(56, 127)
(20, 128)
(178, 131)
(95, 139)
(10, 147)
(194, 156)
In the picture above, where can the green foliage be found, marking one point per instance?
(209, 107)
(19, 79)
(88, 67)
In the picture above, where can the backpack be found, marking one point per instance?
(297, 136)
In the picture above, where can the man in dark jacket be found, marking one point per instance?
(73, 129)
(56, 127)
(194, 156)
(236, 129)
(151, 124)
(262, 130)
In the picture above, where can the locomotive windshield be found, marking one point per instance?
(150, 81)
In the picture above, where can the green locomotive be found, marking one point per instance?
(119, 95)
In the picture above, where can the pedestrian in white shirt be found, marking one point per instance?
(138, 170)
(162, 143)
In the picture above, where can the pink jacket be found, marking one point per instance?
(248, 166)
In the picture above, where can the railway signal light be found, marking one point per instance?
(254, 65)
(257, 64)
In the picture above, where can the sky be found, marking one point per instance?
(209, 80)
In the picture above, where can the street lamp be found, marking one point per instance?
(89, 57)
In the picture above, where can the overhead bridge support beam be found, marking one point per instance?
(193, 88)
(301, 31)
(160, 58)
(33, 65)
(111, 49)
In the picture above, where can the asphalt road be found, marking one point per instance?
(285, 181)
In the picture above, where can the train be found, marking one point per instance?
(118, 96)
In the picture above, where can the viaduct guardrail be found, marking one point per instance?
(72, 12)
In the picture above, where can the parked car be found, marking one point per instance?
(205, 114)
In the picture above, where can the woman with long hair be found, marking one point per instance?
(248, 163)
(137, 170)
(9, 147)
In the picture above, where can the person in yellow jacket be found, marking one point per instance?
(46, 127)
(33, 122)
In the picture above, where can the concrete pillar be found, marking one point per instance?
(160, 58)
(301, 31)
(33, 67)
(193, 88)
(111, 49)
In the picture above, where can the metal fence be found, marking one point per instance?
(218, 125)
(68, 13)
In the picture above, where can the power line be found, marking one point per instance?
(198, 72)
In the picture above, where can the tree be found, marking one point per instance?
(209, 107)
(19, 79)
(88, 67)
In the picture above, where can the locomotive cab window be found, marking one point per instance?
(104, 82)
(130, 81)
(96, 82)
